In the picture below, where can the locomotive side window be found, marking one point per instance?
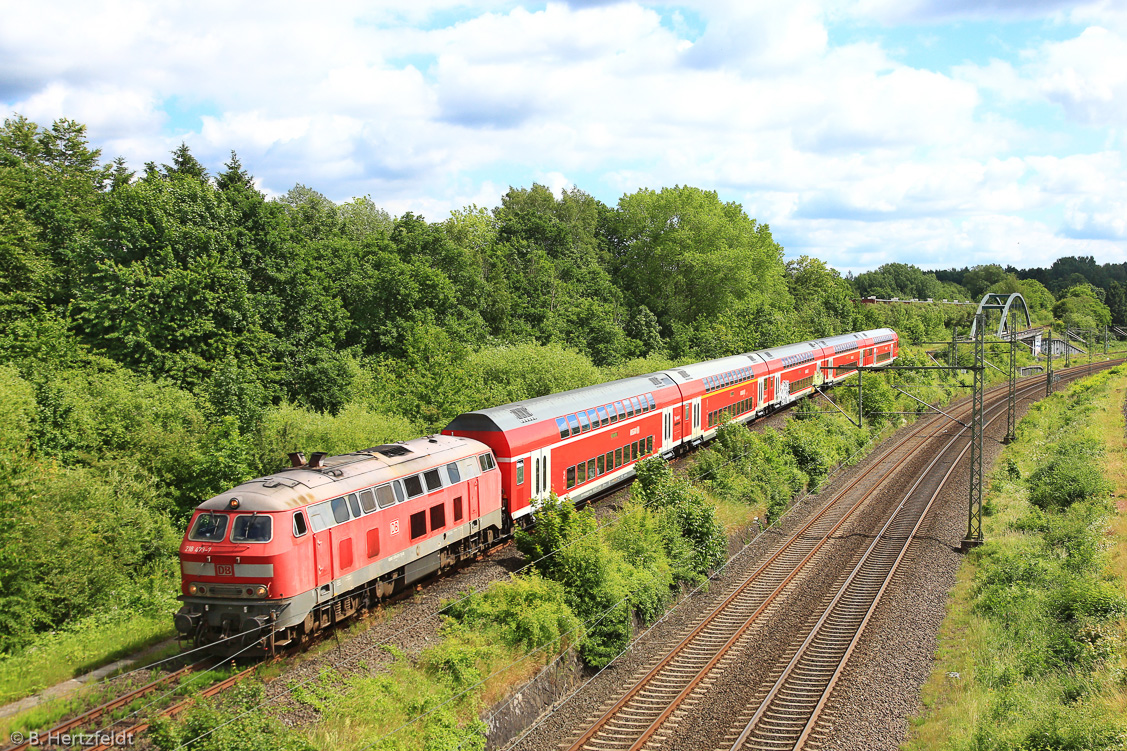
(453, 473)
(400, 493)
(418, 525)
(209, 528)
(458, 509)
(340, 510)
(437, 516)
(373, 542)
(368, 501)
(252, 528)
(385, 496)
(561, 424)
(573, 421)
(520, 471)
(299, 527)
(602, 413)
(354, 504)
(320, 516)
(434, 482)
(414, 486)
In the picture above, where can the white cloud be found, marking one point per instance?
(844, 149)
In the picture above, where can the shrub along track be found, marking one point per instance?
(690, 698)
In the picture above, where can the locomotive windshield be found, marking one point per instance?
(251, 528)
(209, 527)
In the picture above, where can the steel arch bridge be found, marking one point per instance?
(1002, 302)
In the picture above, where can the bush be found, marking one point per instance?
(1070, 476)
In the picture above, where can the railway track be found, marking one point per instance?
(648, 713)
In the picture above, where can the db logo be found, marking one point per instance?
(394, 527)
(225, 569)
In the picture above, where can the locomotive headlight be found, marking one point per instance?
(193, 589)
(260, 591)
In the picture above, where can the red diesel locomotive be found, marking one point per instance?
(280, 557)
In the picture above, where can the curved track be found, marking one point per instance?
(787, 711)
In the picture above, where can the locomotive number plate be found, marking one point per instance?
(394, 526)
(224, 569)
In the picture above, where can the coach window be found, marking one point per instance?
(584, 423)
(453, 473)
(617, 458)
(413, 485)
(573, 421)
(418, 524)
(581, 473)
(561, 424)
(650, 445)
(384, 496)
(437, 516)
(571, 477)
(653, 403)
(613, 413)
(637, 404)
(593, 416)
(601, 464)
(619, 409)
(434, 482)
(209, 527)
(536, 476)
(299, 526)
(520, 471)
(354, 504)
(340, 510)
(252, 528)
(603, 418)
(633, 451)
(590, 469)
(610, 461)
(629, 407)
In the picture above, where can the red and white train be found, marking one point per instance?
(280, 557)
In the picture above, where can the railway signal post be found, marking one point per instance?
(1049, 364)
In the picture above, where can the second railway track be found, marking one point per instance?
(662, 707)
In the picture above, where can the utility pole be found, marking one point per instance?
(974, 510)
(1011, 398)
(1067, 347)
(1049, 369)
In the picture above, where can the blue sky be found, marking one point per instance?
(941, 133)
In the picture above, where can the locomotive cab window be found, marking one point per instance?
(252, 528)
(354, 504)
(520, 471)
(299, 526)
(486, 461)
(452, 472)
(400, 493)
(209, 527)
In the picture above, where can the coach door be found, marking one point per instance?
(667, 425)
(541, 471)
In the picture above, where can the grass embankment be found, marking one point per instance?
(1031, 655)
